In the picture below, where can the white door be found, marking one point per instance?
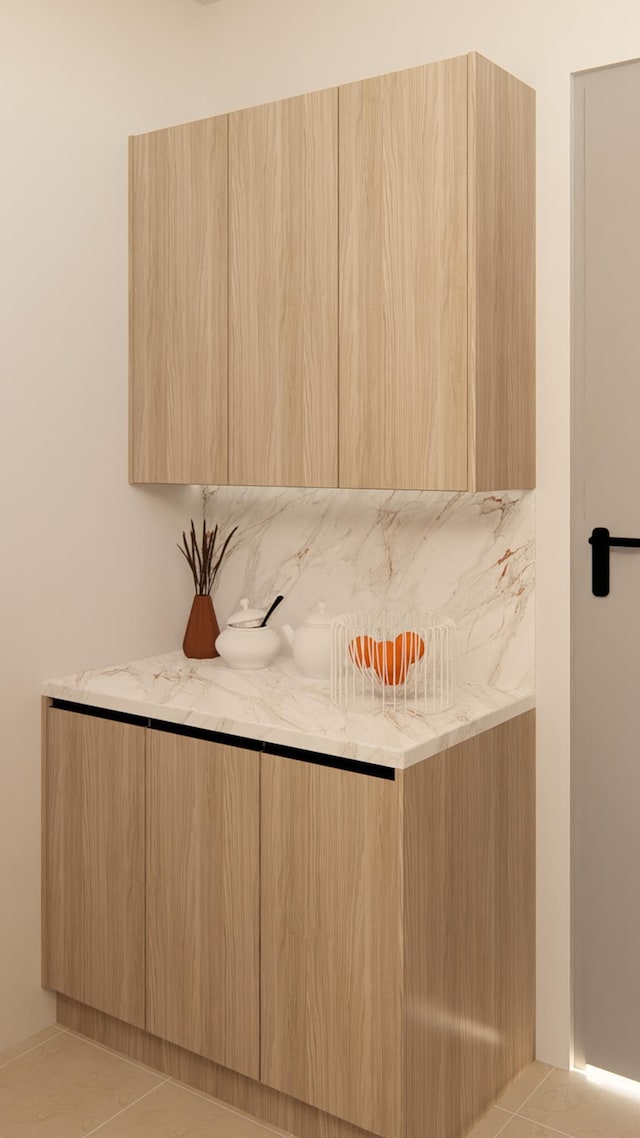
(606, 630)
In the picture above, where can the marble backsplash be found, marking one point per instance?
(469, 556)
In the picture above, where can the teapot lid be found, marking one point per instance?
(246, 617)
(318, 617)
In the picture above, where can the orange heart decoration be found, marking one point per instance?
(390, 659)
(410, 646)
(388, 663)
(361, 651)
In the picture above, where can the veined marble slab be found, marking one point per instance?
(467, 556)
(278, 705)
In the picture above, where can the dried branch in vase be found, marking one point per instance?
(200, 556)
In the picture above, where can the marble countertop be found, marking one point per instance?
(278, 705)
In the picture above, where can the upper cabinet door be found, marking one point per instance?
(283, 286)
(502, 279)
(178, 304)
(403, 279)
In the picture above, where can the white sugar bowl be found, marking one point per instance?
(243, 644)
(311, 643)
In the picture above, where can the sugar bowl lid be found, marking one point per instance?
(246, 617)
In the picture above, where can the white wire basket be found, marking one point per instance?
(393, 660)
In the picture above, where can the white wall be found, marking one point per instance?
(258, 51)
(89, 572)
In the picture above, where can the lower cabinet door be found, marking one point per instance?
(203, 898)
(93, 863)
(331, 941)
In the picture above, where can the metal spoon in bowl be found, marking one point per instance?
(272, 609)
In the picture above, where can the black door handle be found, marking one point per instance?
(601, 542)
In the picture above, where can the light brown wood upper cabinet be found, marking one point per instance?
(178, 304)
(203, 899)
(380, 288)
(283, 293)
(93, 886)
(437, 322)
(403, 279)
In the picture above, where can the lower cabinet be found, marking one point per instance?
(94, 863)
(331, 940)
(203, 900)
(334, 950)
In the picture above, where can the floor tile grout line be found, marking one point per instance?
(29, 1050)
(510, 1118)
(535, 1090)
(116, 1054)
(165, 1079)
(230, 1109)
(503, 1110)
(125, 1108)
(545, 1126)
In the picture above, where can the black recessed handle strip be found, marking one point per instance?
(354, 766)
(601, 543)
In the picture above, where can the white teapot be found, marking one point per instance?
(311, 643)
(245, 644)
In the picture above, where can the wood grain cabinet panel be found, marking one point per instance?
(178, 304)
(403, 279)
(203, 899)
(469, 927)
(437, 279)
(502, 279)
(331, 941)
(93, 863)
(398, 934)
(362, 945)
(339, 289)
(283, 292)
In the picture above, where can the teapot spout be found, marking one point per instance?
(288, 632)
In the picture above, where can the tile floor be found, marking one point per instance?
(545, 1102)
(58, 1085)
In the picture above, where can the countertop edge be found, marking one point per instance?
(518, 704)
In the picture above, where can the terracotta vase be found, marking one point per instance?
(202, 630)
